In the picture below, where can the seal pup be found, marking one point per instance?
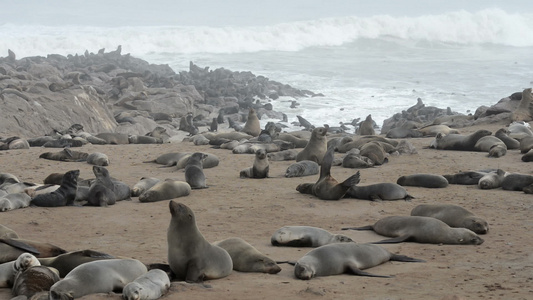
(63, 196)
(306, 236)
(260, 167)
(492, 180)
(98, 159)
(34, 280)
(503, 135)
(194, 172)
(433, 130)
(190, 256)
(465, 178)
(458, 141)
(149, 286)
(302, 168)
(252, 125)
(144, 184)
(289, 154)
(9, 270)
(246, 258)
(316, 148)
(423, 180)
(341, 258)
(327, 187)
(366, 127)
(379, 192)
(528, 156)
(453, 215)
(66, 262)
(421, 230)
(14, 201)
(101, 276)
(516, 181)
(165, 190)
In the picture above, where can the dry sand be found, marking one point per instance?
(500, 268)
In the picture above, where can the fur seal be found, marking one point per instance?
(289, 154)
(6, 232)
(9, 270)
(296, 141)
(143, 185)
(168, 159)
(453, 215)
(101, 191)
(402, 132)
(327, 187)
(252, 126)
(356, 161)
(149, 286)
(101, 276)
(194, 172)
(378, 192)
(165, 190)
(302, 168)
(190, 256)
(526, 144)
(375, 152)
(65, 155)
(143, 139)
(34, 280)
(503, 135)
(457, 141)
(260, 167)
(306, 236)
(316, 148)
(528, 156)
(246, 258)
(14, 201)
(210, 161)
(433, 130)
(491, 144)
(519, 130)
(98, 159)
(465, 178)
(516, 182)
(63, 196)
(492, 180)
(12, 248)
(66, 262)
(54, 178)
(351, 258)
(421, 230)
(423, 180)
(114, 138)
(367, 126)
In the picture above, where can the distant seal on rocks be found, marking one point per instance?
(9, 270)
(246, 258)
(194, 172)
(14, 201)
(98, 159)
(260, 167)
(423, 180)
(190, 256)
(367, 127)
(306, 236)
(516, 182)
(453, 215)
(149, 286)
(34, 280)
(316, 147)
(66, 262)
(144, 184)
(165, 190)
(492, 180)
(302, 168)
(378, 192)
(252, 126)
(101, 276)
(351, 258)
(327, 187)
(421, 230)
(459, 142)
(63, 196)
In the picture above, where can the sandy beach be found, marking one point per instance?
(500, 268)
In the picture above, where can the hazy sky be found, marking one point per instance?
(225, 12)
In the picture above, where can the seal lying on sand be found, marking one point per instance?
(453, 215)
(458, 141)
(421, 230)
(351, 258)
(260, 167)
(246, 258)
(151, 285)
(423, 180)
(306, 236)
(378, 192)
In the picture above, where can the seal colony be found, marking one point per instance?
(254, 211)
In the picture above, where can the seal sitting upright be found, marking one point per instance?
(190, 256)
(316, 147)
(64, 195)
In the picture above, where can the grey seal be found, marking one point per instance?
(246, 258)
(306, 236)
(453, 215)
(423, 180)
(421, 230)
(351, 258)
(190, 256)
(289, 154)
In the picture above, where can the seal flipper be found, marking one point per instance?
(369, 227)
(290, 262)
(398, 257)
(353, 269)
(327, 161)
(399, 239)
(352, 180)
(20, 245)
(95, 254)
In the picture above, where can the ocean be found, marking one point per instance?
(373, 58)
